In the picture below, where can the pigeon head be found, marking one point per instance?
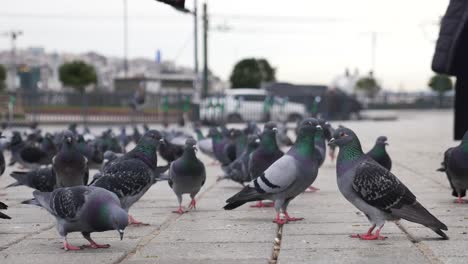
(270, 126)
(309, 126)
(152, 136)
(382, 141)
(68, 137)
(16, 138)
(119, 220)
(190, 143)
(342, 137)
(253, 141)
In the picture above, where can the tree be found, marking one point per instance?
(440, 83)
(2, 77)
(251, 72)
(368, 85)
(77, 74)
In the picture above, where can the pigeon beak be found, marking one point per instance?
(195, 148)
(121, 233)
(69, 139)
(257, 140)
(318, 127)
(274, 129)
(332, 143)
(162, 141)
(386, 144)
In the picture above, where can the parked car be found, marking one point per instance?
(237, 105)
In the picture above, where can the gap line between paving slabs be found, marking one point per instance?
(276, 245)
(426, 251)
(27, 236)
(147, 238)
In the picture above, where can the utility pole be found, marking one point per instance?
(196, 83)
(205, 51)
(374, 47)
(125, 40)
(13, 35)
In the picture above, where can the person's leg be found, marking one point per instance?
(461, 106)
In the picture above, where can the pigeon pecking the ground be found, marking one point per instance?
(70, 166)
(42, 179)
(3, 207)
(238, 170)
(187, 175)
(286, 178)
(84, 209)
(131, 175)
(374, 190)
(455, 165)
(267, 153)
(379, 153)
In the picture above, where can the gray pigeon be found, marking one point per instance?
(205, 144)
(187, 175)
(131, 175)
(3, 207)
(379, 153)
(84, 209)
(42, 179)
(455, 165)
(286, 178)
(320, 148)
(238, 170)
(374, 190)
(70, 166)
(267, 153)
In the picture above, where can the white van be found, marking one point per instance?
(237, 105)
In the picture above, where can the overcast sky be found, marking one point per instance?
(308, 41)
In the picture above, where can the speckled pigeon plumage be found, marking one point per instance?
(379, 153)
(131, 175)
(187, 174)
(42, 179)
(286, 178)
(84, 209)
(455, 165)
(70, 166)
(374, 190)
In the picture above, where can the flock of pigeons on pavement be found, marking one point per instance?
(58, 169)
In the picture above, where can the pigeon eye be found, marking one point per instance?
(343, 134)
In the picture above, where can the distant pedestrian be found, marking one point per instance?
(451, 57)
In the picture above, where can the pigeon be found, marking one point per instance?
(320, 148)
(286, 178)
(187, 175)
(379, 153)
(374, 190)
(2, 159)
(455, 165)
(170, 152)
(205, 144)
(91, 151)
(267, 153)
(29, 156)
(42, 179)
(282, 135)
(223, 147)
(238, 170)
(70, 166)
(84, 209)
(131, 175)
(123, 138)
(3, 207)
(136, 135)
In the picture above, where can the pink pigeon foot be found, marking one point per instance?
(292, 219)
(133, 221)
(179, 211)
(369, 233)
(260, 204)
(311, 189)
(459, 200)
(279, 221)
(67, 246)
(193, 204)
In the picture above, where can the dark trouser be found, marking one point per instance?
(461, 106)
